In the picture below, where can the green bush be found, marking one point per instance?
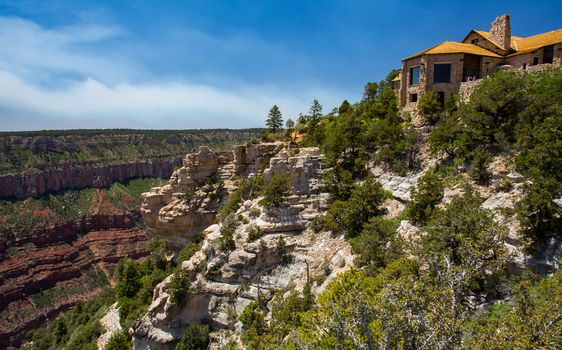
(254, 327)
(119, 341)
(226, 240)
(254, 233)
(425, 196)
(195, 337)
(349, 216)
(228, 228)
(187, 252)
(430, 106)
(275, 191)
(128, 278)
(179, 286)
(377, 244)
(478, 169)
(247, 189)
(393, 144)
(281, 249)
(530, 322)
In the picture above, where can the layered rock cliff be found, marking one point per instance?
(49, 269)
(37, 183)
(190, 201)
(274, 248)
(225, 280)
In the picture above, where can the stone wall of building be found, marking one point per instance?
(557, 54)
(426, 64)
(525, 61)
(406, 88)
(483, 42)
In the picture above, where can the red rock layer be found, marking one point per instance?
(64, 263)
(33, 184)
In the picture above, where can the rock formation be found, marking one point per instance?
(190, 201)
(224, 281)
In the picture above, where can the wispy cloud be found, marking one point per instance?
(47, 55)
(76, 76)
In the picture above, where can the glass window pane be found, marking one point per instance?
(414, 75)
(442, 73)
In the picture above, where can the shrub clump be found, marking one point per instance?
(195, 337)
(179, 286)
(275, 191)
(425, 196)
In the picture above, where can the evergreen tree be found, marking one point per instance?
(315, 110)
(119, 341)
(128, 280)
(425, 196)
(179, 286)
(60, 330)
(274, 119)
(370, 91)
(196, 337)
(344, 107)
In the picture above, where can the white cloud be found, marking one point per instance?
(93, 104)
(63, 78)
(49, 55)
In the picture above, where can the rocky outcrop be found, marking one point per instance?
(224, 281)
(303, 169)
(399, 186)
(110, 322)
(34, 184)
(190, 201)
(50, 269)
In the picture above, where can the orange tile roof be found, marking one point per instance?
(524, 45)
(398, 77)
(455, 47)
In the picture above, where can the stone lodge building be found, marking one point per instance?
(455, 67)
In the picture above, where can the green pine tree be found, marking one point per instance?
(274, 119)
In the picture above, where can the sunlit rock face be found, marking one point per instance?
(189, 202)
(224, 281)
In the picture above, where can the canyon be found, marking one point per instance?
(52, 268)
(70, 211)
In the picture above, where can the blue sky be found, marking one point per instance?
(213, 63)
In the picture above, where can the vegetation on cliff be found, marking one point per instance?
(80, 328)
(451, 282)
(76, 329)
(423, 292)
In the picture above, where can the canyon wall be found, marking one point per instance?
(37, 183)
(67, 252)
(48, 270)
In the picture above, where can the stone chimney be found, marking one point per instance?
(500, 31)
